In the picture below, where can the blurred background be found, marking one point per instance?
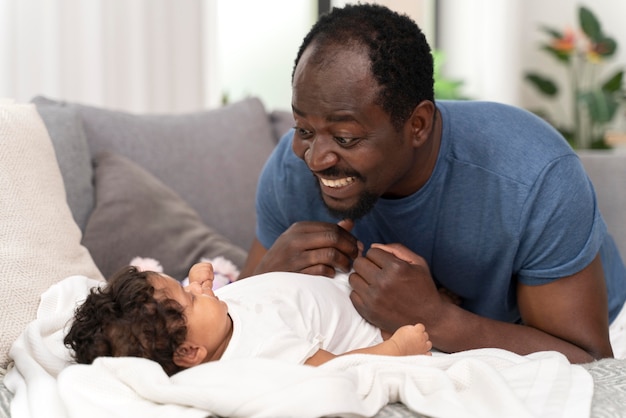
(185, 55)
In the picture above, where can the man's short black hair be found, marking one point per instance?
(401, 60)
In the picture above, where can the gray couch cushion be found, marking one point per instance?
(282, 122)
(607, 170)
(138, 216)
(72, 152)
(212, 159)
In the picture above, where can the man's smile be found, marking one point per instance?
(337, 183)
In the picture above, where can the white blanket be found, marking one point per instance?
(477, 383)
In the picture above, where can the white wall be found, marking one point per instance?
(162, 55)
(478, 38)
(421, 11)
(257, 43)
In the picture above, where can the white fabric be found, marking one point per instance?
(39, 353)
(617, 333)
(39, 240)
(480, 383)
(290, 316)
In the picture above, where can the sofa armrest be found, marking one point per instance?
(607, 170)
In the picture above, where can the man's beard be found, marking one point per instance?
(364, 205)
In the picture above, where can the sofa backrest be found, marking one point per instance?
(212, 159)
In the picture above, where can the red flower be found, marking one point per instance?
(566, 43)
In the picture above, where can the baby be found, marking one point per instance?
(289, 316)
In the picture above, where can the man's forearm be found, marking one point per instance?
(459, 330)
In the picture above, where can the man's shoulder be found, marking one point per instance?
(480, 107)
(501, 139)
(499, 122)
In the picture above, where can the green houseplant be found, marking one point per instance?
(445, 88)
(595, 98)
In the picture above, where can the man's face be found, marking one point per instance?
(344, 136)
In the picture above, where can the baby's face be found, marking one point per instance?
(207, 320)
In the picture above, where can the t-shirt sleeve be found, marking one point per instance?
(271, 221)
(562, 229)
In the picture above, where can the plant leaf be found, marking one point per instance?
(552, 32)
(599, 143)
(543, 84)
(445, 88)
(614, 84)
(601, 105)
(606, 47)
(562, 56)
(590, 24)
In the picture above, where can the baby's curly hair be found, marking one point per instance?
(123, 318)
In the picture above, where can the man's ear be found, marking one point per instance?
(422, 122)
(189, 355)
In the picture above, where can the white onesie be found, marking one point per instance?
(289, 316)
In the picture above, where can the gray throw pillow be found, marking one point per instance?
(212, 159)
(136, 215)
(70, 144)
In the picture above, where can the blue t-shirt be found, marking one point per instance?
(508, 200)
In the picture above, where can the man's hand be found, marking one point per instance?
(392, 287)
(307, 247)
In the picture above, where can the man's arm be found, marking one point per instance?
(574, 309)
(406, 341)
(568, 315)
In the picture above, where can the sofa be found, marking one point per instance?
(85, 189)
(197, 171)
(105, 186)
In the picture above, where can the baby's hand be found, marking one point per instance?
(202, 274)
(411, 340)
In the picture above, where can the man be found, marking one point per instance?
(482, 200)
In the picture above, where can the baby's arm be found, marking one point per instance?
(407, 340)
